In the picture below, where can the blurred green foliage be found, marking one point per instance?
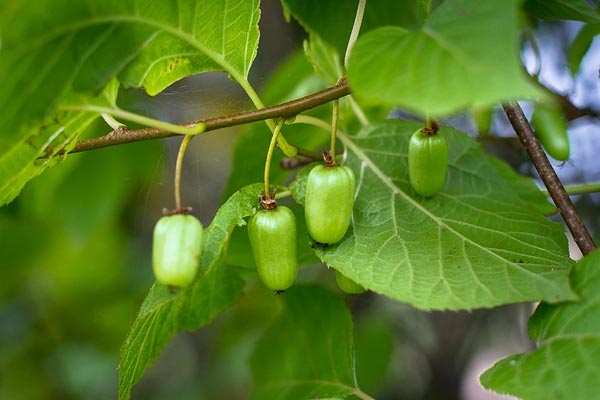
(72, 274)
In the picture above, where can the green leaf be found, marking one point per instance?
(20, 162)
(578, 10)
(565, 364)
(446, 66)
(374, 343)
(477, 243)
(164, 314)
(525, 187)
(333, 23)
(329, 27)
(581, 45)
(54, 49)
(307, 352)
(325, 59)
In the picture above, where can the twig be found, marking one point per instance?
(555, 188)
(283, 110)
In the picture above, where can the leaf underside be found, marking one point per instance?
(475, 244)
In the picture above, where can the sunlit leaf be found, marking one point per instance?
(446, 66)
(53, 49)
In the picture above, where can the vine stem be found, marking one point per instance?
(283, 110)
(553, 185)
(423, 9)
(360, 12)
(276, 132)
(182, 149)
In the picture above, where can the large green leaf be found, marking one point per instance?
(308, 351)
(329, 27)
(52, 49)
(165, 314)
(565, 365)
(578, 10)
(466, 54)
(477, 243)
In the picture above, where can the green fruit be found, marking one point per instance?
(272, 236)
(427, 162)
(551, 129)
(328, 203)
(483, 119)
(177, 249)
(347, 285)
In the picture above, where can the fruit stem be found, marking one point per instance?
(334, 123)
(431, 126)
(182, 149)
(270, 153)
(423, 9)
(113, 112)
(360, 11)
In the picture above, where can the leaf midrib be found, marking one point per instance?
(388, 182)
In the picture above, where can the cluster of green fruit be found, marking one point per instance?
(328, 210)
(329, 201)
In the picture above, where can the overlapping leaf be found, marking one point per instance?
(308, 350)
(51, 49)
(581, 45)
(333, 23)
(447, 65)
(578, 10)
(329, 27)
(565, 365)
(165, 314)
(477, 243)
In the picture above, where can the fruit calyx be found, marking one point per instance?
(267, 201)
(431, 129)
(329, 159)
(182, 211)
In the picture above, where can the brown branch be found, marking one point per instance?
(283, 110)
(555, 188)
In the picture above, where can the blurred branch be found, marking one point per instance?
(571, 111)
(555, 188)
(286, 110)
